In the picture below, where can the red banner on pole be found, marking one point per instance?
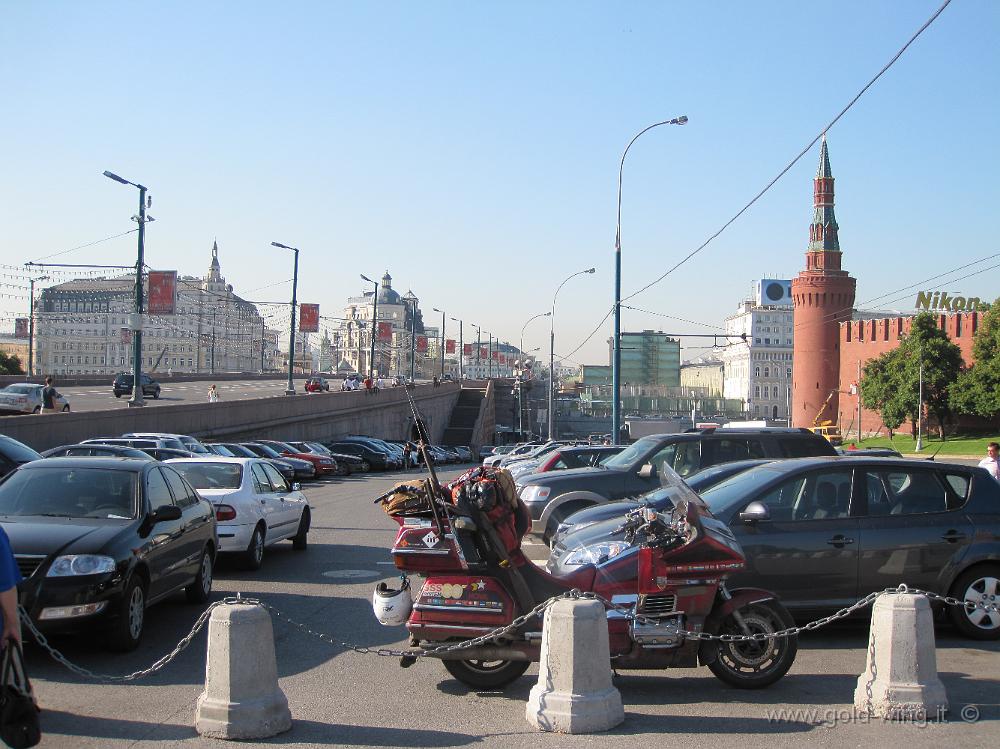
(126, 334)
(21, 327)
(449, 346)
(385, 331)
(503, 358)
(484, 353)
(162, 292)
(467, 349)
(496, 356)
(421, 344)
(309, 318)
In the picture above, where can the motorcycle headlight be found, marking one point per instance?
(81, 564)
(535, 494)
(596, 553)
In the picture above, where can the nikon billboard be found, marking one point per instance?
(943, 301)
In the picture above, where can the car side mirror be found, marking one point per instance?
(755, 512)
(296, 486)
(163, 513)
(648, 471)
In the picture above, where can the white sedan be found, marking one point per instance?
(25, 398)
(254, 506)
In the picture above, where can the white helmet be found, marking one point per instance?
(392, 607)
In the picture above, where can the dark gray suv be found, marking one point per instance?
(550, 497)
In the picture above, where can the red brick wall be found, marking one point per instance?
(861, 340)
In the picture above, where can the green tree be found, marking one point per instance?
(977, 390)
(10, 364)
(890, 383)
(880, 389)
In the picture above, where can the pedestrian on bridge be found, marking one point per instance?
(49, 395)
(213, 394)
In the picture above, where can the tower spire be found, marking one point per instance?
(823, 297)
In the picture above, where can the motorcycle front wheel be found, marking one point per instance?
(486, 674)
(753, 664)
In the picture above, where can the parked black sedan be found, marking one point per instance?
(98, 540)
(824, 532)
(14, 454)
(95, 450)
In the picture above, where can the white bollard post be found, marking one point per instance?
(574, 693)
(900, 681)
(242, 699)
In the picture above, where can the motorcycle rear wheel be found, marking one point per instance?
(486, 674)
(756, 664)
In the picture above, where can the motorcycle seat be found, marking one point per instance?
(544, 585)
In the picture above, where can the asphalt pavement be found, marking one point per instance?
(102, 398)
(339, 697)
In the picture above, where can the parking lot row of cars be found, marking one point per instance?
(106, 527)
(820, 528)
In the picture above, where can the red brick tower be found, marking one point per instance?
(823, 297)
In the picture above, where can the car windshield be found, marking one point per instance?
(70, 493)
(283, 446)
(21, 389)
(239, 451)
(193, 445)
(221, 450)
(16, 451)
(630, 454)
(317, 448)
(740, 487)
(211, 475)
(266, 449)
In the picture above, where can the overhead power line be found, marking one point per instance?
(802, 153)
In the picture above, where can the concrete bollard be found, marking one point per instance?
(242, 699)
(574, 693)
(901, 673)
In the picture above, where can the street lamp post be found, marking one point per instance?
(31, 323)
(520, 350)
(137, 395)
(489, 358)
(552, 348)
(616, 359)
(371, 357)
(413, 337)
(441, 339)
(461, 348)
(479, 349)
(290, 387)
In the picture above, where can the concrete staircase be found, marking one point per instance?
(461, 428)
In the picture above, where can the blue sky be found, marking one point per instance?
(472, 149)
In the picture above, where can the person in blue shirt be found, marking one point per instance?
(10, 576)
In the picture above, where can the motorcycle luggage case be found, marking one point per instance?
(419, 547)
(453, 602)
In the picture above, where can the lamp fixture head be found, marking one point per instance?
(116, 178)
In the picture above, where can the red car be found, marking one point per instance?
(317, 385)
(325, 466)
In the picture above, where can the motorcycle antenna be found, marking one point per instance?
(433, 490)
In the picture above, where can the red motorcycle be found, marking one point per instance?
(666, 578)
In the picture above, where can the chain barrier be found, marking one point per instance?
(494, 635)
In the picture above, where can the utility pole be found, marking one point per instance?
(441, 340)
(213, 341)
(290, 387)
(31, 324)
(263, 335)
(920, 405)
(859, 401)
(136, 321)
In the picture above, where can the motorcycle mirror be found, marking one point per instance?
(755, 512)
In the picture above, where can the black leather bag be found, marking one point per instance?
(19, 726)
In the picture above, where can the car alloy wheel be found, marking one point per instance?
(977, 587)
(254, 555)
